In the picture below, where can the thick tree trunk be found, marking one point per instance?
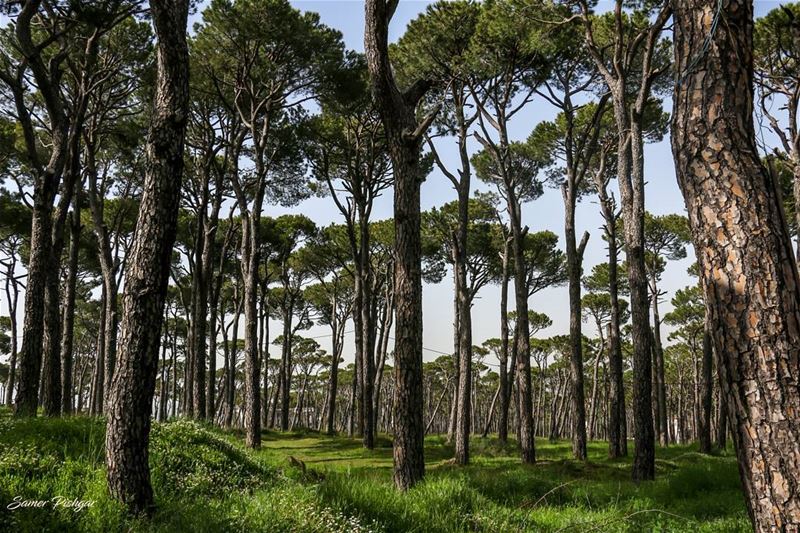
(632, 192)
(133, 385)
(252, 363)
(30, 356)
(747, 264)
(404, 135)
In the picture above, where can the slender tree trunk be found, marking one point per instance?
(617, 441)
(706, 391)
(660, 382)
(747, 264)
(333, 375)
(200, 310)
(97, 388)
(286, 362)
(464, 411)
(133, 385)
(506, 381)
(593, 402)
(67, 330)
(12, 297)
(574, 260)
(522, 335)
(388, 316)
(367, 380)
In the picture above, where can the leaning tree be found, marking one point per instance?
(128, 429)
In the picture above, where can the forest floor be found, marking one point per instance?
(205, 480)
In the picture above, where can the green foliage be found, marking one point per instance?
(189, 460)
(436, 46)
(688, 316)
(544, 261)
(776, 49)
(520, 168)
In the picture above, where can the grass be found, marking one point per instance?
(204, 480)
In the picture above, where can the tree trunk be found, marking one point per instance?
(67, 330)
(286, 361)
(367, 379)
(574, 260)
(252, 366)
(706, 391)
(333, 376)
(632, 192)
(12, 297)
(747, 264)
(30, 356)
(522, 335)
(617, 442)
(464, 305)
(660, 382)
(505, 380)
(404, 136)
(133, 385)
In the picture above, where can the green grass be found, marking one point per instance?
(204, 480)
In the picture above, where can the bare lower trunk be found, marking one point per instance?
(12, 299)
(404, 137)
(505, 380)
(747, 264)
(574, 260)
(706, 392)
(464, 305)
(30, 356)
(522, 337)
(132, 388)
(69, 311)
(660, 381)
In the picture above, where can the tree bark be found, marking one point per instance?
(574, 260)
(505, 380)
(67, 331)
(747, 264)
(133, 384)
(404, 135)
(521, 334)
(660, 381)
(706, 391)
(12, 297)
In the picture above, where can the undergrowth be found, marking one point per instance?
(204, 480)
